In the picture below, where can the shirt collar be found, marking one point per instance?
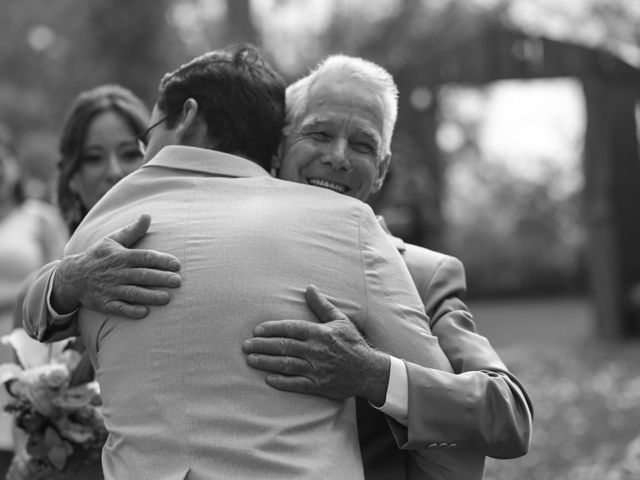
(196, 159)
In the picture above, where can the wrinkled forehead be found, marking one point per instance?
(338, 100)
(336, 88)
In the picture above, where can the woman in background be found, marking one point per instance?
(98, 147)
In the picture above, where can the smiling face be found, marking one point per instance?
(337, 142)
(110, 152)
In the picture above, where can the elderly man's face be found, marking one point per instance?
(337, 144)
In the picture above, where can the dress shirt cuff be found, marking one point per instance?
(396, 404)
(55, 317)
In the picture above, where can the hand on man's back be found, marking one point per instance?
(113, 278)
(330, 358)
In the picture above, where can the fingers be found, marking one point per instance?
(149, 259)
(292, 383)
(274, 346)
(122, 309)
(147, 277)
(323, 308)
(279, 365)
(133, 232)
(140, 296)
(296, 329)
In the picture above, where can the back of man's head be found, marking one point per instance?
(369, 76)
(240, 98)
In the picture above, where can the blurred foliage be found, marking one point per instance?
(584, 395)
(513, 234)
(70, 46)
(514, 214)
(54, 52)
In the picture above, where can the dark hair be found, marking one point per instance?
(85, 107)
(240, 97)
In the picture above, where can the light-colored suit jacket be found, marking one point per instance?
(179, 399)
(492, 409)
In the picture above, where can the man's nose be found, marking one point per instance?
(338, 155)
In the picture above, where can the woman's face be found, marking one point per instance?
(110, 152)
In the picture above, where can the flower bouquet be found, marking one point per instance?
(62, 423)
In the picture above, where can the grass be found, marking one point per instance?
(585, 392)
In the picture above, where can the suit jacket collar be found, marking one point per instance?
(203, 160)
(397, 242)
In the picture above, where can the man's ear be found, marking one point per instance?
(189, 125)
(383, 168)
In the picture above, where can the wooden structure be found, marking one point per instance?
(611, 162)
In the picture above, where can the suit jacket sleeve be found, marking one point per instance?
(36, 318)
(396, 324)
(483, 408)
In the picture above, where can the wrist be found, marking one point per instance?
(65, 292)
(377, 379)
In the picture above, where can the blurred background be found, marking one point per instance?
(516, 150)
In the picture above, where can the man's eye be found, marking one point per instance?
(319, 135)
(363, 148)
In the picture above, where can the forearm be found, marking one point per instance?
(376, 379)
(65, 289)
(502, 410)
(481, 411)
(36, 317)
(493, 403)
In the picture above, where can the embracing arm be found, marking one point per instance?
(490, 409)
(37, 320)
(109, 277)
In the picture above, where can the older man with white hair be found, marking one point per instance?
(339, 123)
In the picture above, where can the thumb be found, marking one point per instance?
(133, 232)
(323, 308)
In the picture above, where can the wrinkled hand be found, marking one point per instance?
(115, 280)
(331, 359)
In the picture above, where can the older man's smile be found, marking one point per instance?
(331, 185)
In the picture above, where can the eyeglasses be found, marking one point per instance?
(143, 138)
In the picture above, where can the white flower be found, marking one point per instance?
(30, 352)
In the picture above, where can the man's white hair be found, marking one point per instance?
(369, 75)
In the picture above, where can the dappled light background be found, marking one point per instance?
(510, 153)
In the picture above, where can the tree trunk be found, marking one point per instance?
(612, 197)
(240, 27)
